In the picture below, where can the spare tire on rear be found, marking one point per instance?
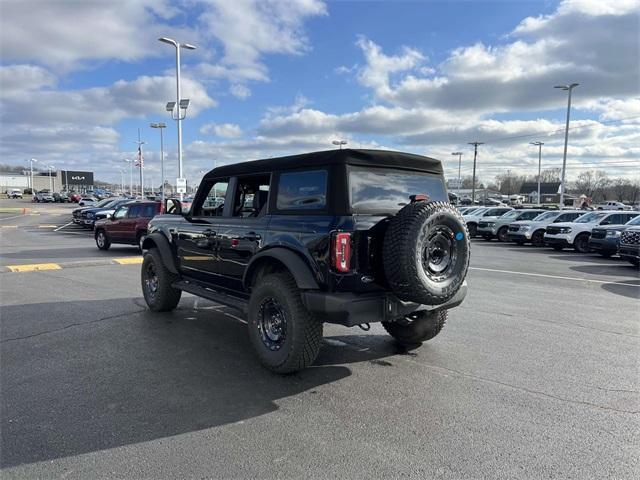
(426, 252)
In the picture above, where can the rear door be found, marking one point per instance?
(196, 239)
(241, 234)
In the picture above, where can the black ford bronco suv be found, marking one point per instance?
(342, 236)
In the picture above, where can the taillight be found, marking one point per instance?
(342, 252)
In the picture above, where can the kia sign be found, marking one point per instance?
(77, 178)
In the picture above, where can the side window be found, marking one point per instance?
(135, 211)
(213, 205)
(611, 219)
(629, 216)
(251, 196)
(302, 190)
(529, 215)
(121, 212)
(149, 211)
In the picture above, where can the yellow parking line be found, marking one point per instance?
(47, 226)
(128, 260)
(33, 267)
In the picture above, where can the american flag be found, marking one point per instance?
(140, 162)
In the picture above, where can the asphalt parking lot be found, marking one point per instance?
(535, 375)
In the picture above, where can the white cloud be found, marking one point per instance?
(240, 91)
(226, 130)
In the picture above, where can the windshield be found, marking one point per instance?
(634, 221)
(383, 190)
(105, 202)
(512, 214)
(590, 217)
(546, 216)
(478, 211)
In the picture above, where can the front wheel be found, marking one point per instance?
(537, 239)
(502, 234)
(581, 243)
(157, 280)
(417, 327)
(102, 241)
(473, 229)
(284, 334)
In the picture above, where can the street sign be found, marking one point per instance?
(181, 185)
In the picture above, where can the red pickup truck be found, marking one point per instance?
(127, 225)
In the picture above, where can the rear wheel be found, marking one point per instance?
(417, 327)
(502, 234)
(284, 334)
(581, 243)
(102, 241)
(537, 239)
(157, 282)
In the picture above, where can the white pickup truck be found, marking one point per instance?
(611, 205)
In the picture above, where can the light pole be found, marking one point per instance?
(475, 156)
(539, 145)
(31, 160)
(130, 162)
(179, 101)
(569, 87)
(50, 179)
(160, 126)
(339, 143)
(459, 169)
(140, 164)
(122, 180)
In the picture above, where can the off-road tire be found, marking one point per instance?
(165, 298)
(503, 233)
(427, 226)
(102, 240)
(537, 239)
(302, 332)
(422, 327)
(581, 243)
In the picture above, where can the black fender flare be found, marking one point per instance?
(160, 242)
(298, 268)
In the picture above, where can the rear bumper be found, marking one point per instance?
(604, 245)
(351, 309)
(629, 251)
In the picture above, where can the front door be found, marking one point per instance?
(197, 239)
(115, 226)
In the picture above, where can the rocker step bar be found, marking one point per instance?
(228, 300)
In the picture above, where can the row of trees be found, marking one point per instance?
(593, 183)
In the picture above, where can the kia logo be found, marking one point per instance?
(77, 177)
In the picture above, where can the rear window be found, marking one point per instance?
(302, 190)
(384, 190)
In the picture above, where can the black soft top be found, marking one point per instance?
(378, 158)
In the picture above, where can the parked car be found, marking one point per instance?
(522, 231)
(88, 202)
(14, 193)
(127, 225)
(43, 196)
(629, 248)
(74, 197)
(576, 234)
(611, 205)
(605, 240)
(61, 197)
(89, 216)
(339, 236)
(485, 213)
(76, 213)
(499, 228)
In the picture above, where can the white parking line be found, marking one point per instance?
(60, 228)
(577, 279)
(9, 218)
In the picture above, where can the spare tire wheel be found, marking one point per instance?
(426, 252)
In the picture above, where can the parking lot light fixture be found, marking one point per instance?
(171, 106)
(459, 169)
(177, 45)
(339, 143)
(568, 88)
(160, 126)
(31, 160)
(539, 145)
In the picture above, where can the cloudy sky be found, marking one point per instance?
(271, 77)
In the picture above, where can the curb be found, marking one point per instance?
(34, 267)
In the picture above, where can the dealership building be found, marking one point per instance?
(68, 180)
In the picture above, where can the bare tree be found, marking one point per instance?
(509, 182)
